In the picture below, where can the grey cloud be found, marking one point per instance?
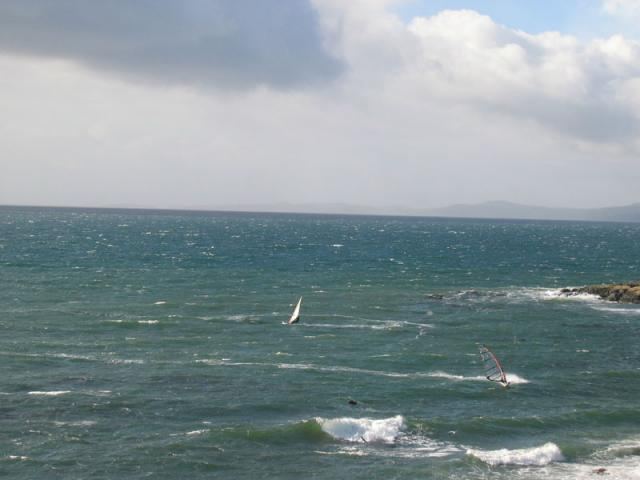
(222, 43)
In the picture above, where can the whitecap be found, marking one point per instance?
(619, 310)
(126, 361)
(52, 393)
(363, 429)
(148, 322)
(536, 456)
(160, 302)
(79, 423)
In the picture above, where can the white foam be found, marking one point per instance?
(624, 447)
(17, 457)
(558, 294)
(511, 377)
(458, 378)
(126, 361)
(536, 456)
(627, 468)
(516, 379)
(71, 356)
(160, 302)
(385, 326)
(619, 311)
(363, 430)
(80, 423)
(337, 369)
(53, 393)
(198, 432)
(148, 322)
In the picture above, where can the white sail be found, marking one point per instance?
(492, 368)
(295, 316)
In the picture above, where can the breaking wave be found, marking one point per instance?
(363, 430)
(536, 456)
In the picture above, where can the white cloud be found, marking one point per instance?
(622, 7)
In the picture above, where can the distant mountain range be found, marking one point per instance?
(497, 210)
(627, 213)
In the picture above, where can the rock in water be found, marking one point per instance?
(623, 292)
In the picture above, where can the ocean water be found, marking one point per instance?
(151, 345)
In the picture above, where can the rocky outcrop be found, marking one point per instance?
(623, 292)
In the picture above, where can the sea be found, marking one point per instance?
(150, 344)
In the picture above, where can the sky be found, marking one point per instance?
(380, 103)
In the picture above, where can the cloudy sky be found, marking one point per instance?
(423, 103)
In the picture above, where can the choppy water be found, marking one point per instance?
(138, 345)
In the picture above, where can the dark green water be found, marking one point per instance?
(139, 345)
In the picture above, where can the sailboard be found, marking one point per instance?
(492, 367)
(295, 316)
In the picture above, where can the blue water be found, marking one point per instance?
(150, 345)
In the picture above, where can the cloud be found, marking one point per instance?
(568, 86)
(622, 8)
(584, 91)
(235, 44)
(451, 108)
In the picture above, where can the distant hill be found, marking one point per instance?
(497, 210)
(628, 213)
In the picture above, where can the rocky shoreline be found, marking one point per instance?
(623, 292)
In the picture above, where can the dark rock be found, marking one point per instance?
(623, 292)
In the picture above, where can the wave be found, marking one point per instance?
(558, 294)
(313, 367)
(457, 378)
(619, 310)
(516, 295)
(385, 326)
(53, 393)
(126, 361)
(619, 461)
(79, 423)
(623, 448)
(512, 377)
(57, 393)
(536, 456)
(66, 356)
(363, 430)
